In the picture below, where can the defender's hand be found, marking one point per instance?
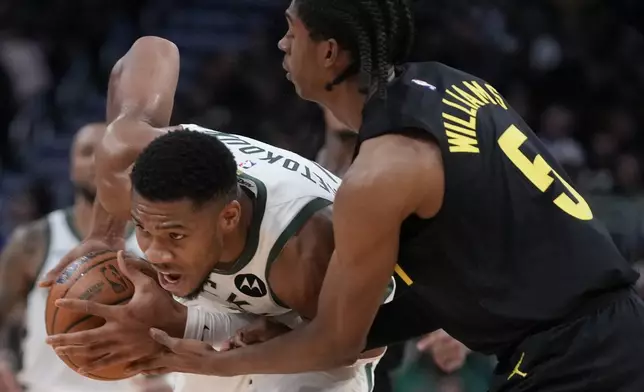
(87, 246)
(258, 331)
(179, 355)
(448, 353)
(124, 337)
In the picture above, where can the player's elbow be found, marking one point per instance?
(342, 350)
(160, 46)
(147, 45)
(143, 81)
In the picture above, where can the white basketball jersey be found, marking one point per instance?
(42, 369)
(287, 190)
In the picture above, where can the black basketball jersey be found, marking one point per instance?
(514, 246)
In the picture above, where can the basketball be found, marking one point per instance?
(94, 277)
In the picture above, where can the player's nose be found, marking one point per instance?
(158, 255)
(281, 44)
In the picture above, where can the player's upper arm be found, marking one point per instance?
(393, 177)
(20, 263)
(143, 83)
(297, 275)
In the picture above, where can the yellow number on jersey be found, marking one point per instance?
(539, 173)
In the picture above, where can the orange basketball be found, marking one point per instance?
(95, 277)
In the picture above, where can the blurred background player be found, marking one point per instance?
(31, 251)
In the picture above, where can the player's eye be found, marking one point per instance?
(176, 236)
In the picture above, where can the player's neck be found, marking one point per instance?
(235, 241)
(338, 151)
(82, 214)
(346, 102)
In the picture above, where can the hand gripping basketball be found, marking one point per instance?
(124, 337)
(89, 245)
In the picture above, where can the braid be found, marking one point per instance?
(380, 69)
(405, 38)
(377, 33)
(394, 19)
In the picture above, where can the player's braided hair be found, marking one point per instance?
(378, 33)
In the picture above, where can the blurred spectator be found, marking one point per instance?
(557, 127)
(623, 126)
(598, 177)
(7, 111)
(628, 175)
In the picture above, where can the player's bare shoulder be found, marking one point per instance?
(402, 167)
(297, 275)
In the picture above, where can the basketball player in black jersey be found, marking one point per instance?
(452, 190)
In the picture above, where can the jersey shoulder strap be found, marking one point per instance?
(431, 98)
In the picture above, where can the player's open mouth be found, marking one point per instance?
(288, 74)
(168, 281)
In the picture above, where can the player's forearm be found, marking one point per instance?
(305, 349)
(106, 225)
(213, 327)
(123, 142)
(143, 83)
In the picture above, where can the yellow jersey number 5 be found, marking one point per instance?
(541, 174)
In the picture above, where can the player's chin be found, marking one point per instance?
(188, 290)
(301, 92)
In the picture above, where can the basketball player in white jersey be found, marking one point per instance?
(34, 249)
(335, 155)
(221, 217)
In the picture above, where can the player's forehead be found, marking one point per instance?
(180, 212)
(292, 16)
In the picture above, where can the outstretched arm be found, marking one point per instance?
(140, 99)
(139, 102)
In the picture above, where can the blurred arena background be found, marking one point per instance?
(573, 68)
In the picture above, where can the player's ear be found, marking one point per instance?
(330, 50)
(230, 216)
